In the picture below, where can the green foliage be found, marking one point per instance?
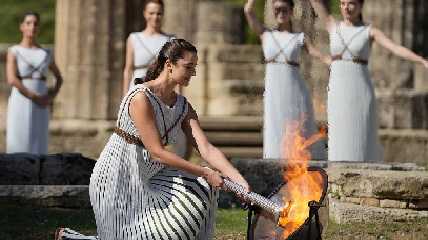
(11, 12)
(250, 37)
(335, 7)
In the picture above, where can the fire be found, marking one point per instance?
(303, 186)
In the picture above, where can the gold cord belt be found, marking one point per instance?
(291, 63)
(42, 78)
(131, 139)
(354, 59)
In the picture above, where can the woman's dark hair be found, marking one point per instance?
(290, 2)
(160, 2)
(173, 50)
(361, 14)
(35, 14)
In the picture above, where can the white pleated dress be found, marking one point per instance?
(146, 49)
(352, 115)
(136, 197)
(286, 97)
(27, 123)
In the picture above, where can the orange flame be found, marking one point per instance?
(303, 186)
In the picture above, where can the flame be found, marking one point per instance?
(303, 186)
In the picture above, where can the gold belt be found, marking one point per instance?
(131, 139)
(354, 59)
(291, 63)
(42, 78)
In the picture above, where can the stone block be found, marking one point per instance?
(347, 213)
(415, 142)
(381, 184)
(372, 202)
(68, 136)
(19, 168)
(70, 196)
(387, 203)
(351, 200)
(233, 53)
(65, 169)
(403, 109)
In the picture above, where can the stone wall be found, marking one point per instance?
(370, 193)
(56, 180)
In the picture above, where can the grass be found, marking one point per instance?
(415, 230)
(25, 222)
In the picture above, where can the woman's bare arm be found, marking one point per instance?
(379, 37)
(129, 66)
(58, 78)
(210, 153)
(252, 19)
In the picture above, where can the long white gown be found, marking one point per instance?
(352, 115)
(286, 97)
(146, 49)
(27, 123)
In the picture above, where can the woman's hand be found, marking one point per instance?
(213, 178)
(425, 63)
(236, 177)
(249, 5)
(42, 100)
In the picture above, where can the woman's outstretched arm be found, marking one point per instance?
(379, 37)
(208, 152)
(252, 19)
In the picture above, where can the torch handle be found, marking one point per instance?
(252, 197)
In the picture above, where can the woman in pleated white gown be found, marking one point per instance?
(28, 114)
(141, 51)
(140, 190)
(352, 115)
(286, 97)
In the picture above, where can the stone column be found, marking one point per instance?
(89, 47)
(179, 18)
(219, 22)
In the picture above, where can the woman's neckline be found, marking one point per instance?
(151, 35)
(343, 24)
(30, 48)
(160, 100)
(284, 31)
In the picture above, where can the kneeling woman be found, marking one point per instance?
(139, 189)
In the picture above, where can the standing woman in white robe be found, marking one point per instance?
(28, 114)
(286, 97)
(352, 115)
(142, 49)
